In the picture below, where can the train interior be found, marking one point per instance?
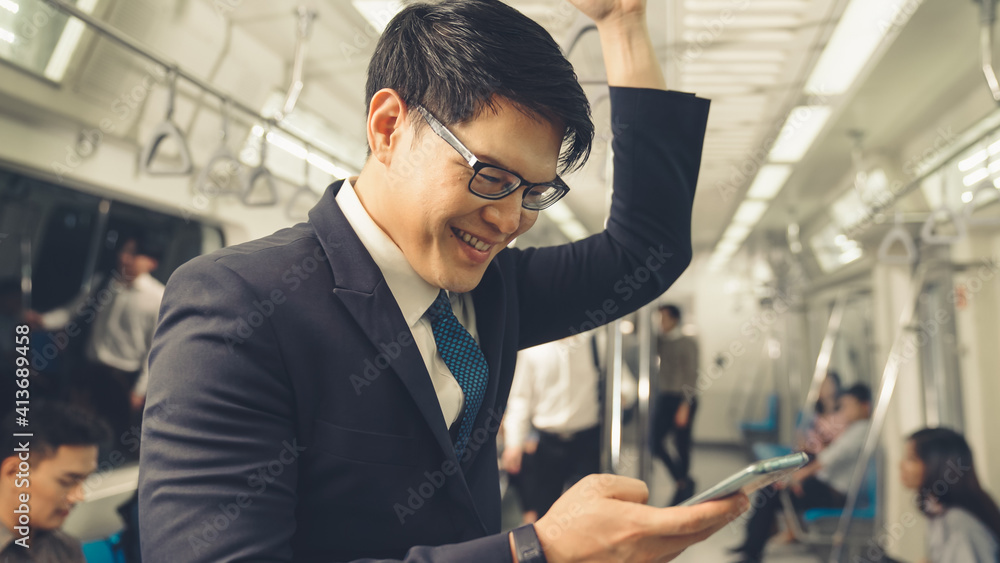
(846, 216)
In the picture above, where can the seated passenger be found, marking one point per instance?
(825, 424)
(964, 522)
(60, 454)
(821, 484)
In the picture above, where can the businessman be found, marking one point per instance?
(334, 390)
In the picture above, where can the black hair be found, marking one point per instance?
(452, 58)
(672, 310)
(950, 476)
(835, 377)
(52, 424)
(859, 391)
(147, 243)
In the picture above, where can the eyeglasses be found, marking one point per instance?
(493, 182)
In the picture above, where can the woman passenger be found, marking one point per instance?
(964, 522)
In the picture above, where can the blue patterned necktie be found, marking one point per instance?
(465, 360)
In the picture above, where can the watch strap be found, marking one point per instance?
(526, 545)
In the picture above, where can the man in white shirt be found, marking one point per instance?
(118, 318)
(554, 390)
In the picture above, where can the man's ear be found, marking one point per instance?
(8, 468)
(386, 123)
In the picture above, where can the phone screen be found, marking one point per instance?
(754, 477)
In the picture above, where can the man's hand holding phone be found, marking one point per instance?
(605, 518)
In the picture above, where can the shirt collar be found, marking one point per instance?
(413, 294)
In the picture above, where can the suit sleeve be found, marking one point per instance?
(575, 287)
(219, 410)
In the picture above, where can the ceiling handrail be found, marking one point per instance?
(987, 17)
(167, 129)
(261, 173)
(304, 190)
(899, 234)
(131, 44)
(223, 154)
(928, 235)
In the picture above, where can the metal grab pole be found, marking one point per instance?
(613, 399)
(825, 354)
(888, 384)
(646, 336)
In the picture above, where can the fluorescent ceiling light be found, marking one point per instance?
(55, 70)
(976, 176)
(769, 181)
(803, 125)
(6, 35)
(966, 197)
(10, 6)
(329, 167)
(750, 212)
(858, 34)
(378, 12)
(973, 160)
(736, 233)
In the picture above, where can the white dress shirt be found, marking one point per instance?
(123, 325)
(839, 458)
(554, 390)
(414, 296)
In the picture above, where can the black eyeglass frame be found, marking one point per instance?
(478, 165)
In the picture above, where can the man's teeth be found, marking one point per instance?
(474, 242)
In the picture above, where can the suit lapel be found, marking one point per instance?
(361, 288)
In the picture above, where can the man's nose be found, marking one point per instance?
(505, 214)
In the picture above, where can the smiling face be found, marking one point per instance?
(416, 186)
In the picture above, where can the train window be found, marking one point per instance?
(60, 243)
(38, 38)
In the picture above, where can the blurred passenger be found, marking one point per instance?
(823, 483)
(964, 522)
(61, 453)
(677, 402)
(825, 424)
(555, 390)
(119, 315)
(10, 317)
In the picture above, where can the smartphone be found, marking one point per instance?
(756, 476)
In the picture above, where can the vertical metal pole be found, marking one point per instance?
(889, 377)
(646, 336)
(825, 354)
(94, 252)
(613, 398)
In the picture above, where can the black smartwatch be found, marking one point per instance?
(527, 546)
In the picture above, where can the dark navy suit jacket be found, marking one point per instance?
(289, 414)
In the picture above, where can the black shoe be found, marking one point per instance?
(738, 550)
(685, 490)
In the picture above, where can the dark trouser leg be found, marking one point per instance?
(552, 468)
(585, 455)
(766, 505)
(663, 426)
(684, 444)
(816, 494)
